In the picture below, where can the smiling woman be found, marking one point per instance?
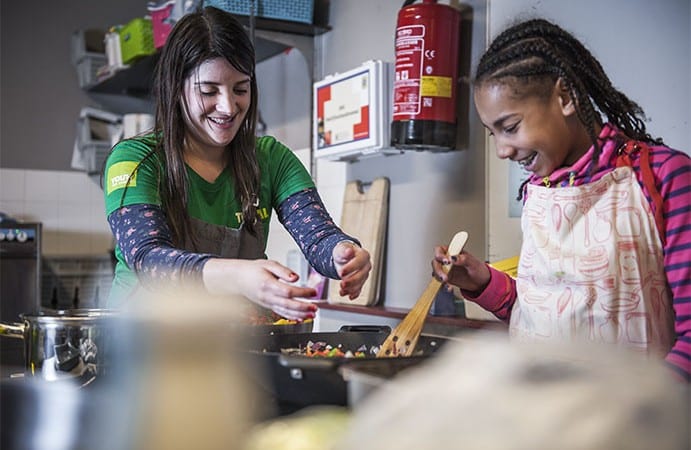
(217, 98)
(200, 190)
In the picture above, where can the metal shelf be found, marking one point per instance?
(129, 89)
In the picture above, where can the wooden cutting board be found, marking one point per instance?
(364, 216)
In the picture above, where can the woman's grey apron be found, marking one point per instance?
(236, 243)
(225, 242)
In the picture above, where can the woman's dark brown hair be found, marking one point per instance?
(196, 38)
(532, 55)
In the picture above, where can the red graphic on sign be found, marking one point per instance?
(361, 130)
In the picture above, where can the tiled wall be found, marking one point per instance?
(68, 203)
(70, 206)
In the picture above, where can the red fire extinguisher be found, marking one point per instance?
(426, 73)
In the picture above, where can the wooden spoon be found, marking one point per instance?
(403, 339)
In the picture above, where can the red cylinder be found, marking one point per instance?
(426, 74)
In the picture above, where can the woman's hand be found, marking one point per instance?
(464, 270)
(353, 266)
(262, 281)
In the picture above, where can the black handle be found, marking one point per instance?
(407, 3)
(75, 299)
(366, 329)
(305, 362)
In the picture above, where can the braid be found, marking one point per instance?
(533, 53)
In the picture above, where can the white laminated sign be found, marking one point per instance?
(352, 113)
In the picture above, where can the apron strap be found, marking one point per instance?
(624, 159)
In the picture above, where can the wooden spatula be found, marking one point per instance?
(403, 339)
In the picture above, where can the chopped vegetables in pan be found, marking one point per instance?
(284, 321)
(324, 350)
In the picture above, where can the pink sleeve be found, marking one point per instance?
(673, 178)
(499, 295)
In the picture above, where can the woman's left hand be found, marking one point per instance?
(353, 266)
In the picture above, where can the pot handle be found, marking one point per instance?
(15, 330)
(365, 329)
(301, 362)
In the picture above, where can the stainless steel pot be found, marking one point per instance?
(65, 344)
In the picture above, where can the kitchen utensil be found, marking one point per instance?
(364, 217)
(365, 377)
(403, 339)
(64, 344)
(298, 327)
(294, 381)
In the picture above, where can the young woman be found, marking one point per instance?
(191, 202)
(607, 208)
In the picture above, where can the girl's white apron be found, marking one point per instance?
(591, 267)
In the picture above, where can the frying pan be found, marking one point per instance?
(295, 382)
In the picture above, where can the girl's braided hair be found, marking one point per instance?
(532, 55)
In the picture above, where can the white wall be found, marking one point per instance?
(433, 195)
(69, 205)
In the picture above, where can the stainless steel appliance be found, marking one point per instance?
(20, 277)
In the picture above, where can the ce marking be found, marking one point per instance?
(430, 54)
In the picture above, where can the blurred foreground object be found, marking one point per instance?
(313, 428)
(172, 377)
(188, 382)
(488, 393)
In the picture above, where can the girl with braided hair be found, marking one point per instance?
(606, 221)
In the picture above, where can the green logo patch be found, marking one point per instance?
(119, 175)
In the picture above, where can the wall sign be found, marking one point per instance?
(352, 113)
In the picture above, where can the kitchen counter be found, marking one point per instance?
(332, 316)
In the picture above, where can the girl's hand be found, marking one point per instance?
(264, 282)
(465, 271)
(353, 266)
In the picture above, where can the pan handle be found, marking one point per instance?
(366, 329)
(12, 330)
(301, 362)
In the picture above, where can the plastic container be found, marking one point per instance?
(86, 43)
(136, 39)
(113, 51)
(292, 11)
(89, 67)
(95, 137)
(159, 14)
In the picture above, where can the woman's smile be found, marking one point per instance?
(217, 97)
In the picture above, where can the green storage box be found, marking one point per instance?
(136, 39)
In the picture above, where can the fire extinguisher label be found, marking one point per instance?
(426, 63)
(410, 45)
(436, 87)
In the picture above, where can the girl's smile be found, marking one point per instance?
(540, 133)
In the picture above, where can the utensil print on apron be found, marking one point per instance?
(592, 268)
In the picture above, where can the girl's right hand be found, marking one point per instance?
(262, 281)
(464, 270)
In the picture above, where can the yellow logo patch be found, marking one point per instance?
(119, 175)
